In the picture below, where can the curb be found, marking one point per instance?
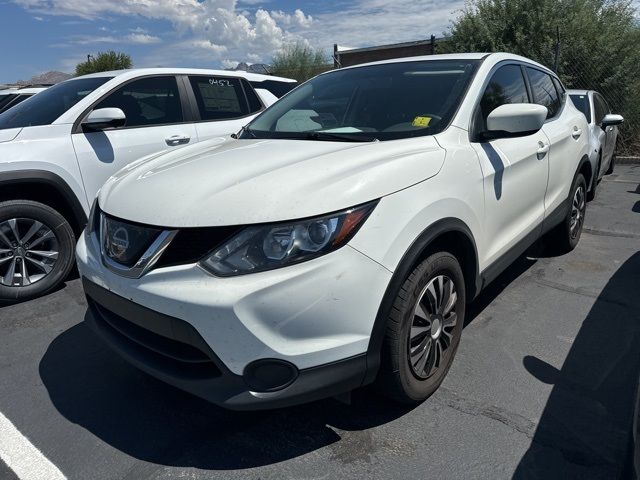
(628, 160)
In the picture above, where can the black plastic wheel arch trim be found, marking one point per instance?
(51, 179)
(420, 244)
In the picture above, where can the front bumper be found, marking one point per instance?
(201, 333)
(172, 351)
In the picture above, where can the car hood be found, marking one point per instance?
(231, 182)
(8, 134)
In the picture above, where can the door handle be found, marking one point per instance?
(544, 148)
(576, 133)
(177, 140)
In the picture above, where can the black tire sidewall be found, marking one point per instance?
(571, 243)
(66, 240)
(441, 263)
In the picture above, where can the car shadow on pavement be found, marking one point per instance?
(154, 422)
(585, 428)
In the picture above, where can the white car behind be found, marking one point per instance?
(58, 148)
(603, 133)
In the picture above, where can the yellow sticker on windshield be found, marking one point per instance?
(421, 122)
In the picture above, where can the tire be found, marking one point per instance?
(566, 235)
(612, 165)
(591, 194)
(408, 378)
(41, 231)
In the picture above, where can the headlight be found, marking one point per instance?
(265, 247)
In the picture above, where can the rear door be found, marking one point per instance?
(515, 170)
(563, 127)
(222, 104)
(156, 120)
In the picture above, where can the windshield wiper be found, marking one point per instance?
(242, 131)
(340, 137)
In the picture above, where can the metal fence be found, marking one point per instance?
(621, 92)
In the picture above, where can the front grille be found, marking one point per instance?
(168, 355)
(190, 245)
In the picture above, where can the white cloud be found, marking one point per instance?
(132, 38)
(142, 38)
(297, 19)
(217, 30)
(226, 63)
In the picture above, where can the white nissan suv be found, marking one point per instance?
(338, 238)
(58, 147)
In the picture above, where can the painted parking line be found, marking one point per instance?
(19, 454)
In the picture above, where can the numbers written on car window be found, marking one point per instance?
(220, 82)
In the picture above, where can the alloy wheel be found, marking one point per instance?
(28, 252)
(578, 208)
(431, 332)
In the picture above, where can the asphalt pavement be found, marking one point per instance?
(543, 386)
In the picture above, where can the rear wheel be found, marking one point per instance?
(591, 195)
(612, 165)
(423, 330)
(567, 234)
(36, 249)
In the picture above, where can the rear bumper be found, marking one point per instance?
(171, 350)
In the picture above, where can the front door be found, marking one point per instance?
(154, 122)
(515, 170)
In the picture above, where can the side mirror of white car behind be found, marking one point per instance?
(103, 118)
(611, 120)
(515, 120)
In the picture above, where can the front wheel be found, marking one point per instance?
(36, 249)
(423, 330)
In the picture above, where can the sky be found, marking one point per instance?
(42, 35)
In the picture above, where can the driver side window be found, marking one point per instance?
(147, 101)
(506, 86)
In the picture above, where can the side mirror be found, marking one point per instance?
(104, 118)
(515, 120)
(612, 120)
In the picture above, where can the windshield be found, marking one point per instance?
(47, 106)
(582, 103)
(378, 102)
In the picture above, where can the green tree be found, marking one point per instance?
(300, 62)
(104, 62)
(600, 44)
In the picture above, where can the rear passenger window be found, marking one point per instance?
(148, 101)
(255, 105)
(219, 98)
(544, 91)
(506, 86)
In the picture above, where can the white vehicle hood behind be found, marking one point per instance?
(253, 181)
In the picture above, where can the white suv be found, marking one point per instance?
(14, 96)
(602, 132)
(338, 239)
(58, 147)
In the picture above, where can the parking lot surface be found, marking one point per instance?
(543, 386)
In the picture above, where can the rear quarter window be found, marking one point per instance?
(277, 88)
(219, 98)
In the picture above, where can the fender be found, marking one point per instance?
(419, 245)
(43, 177)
